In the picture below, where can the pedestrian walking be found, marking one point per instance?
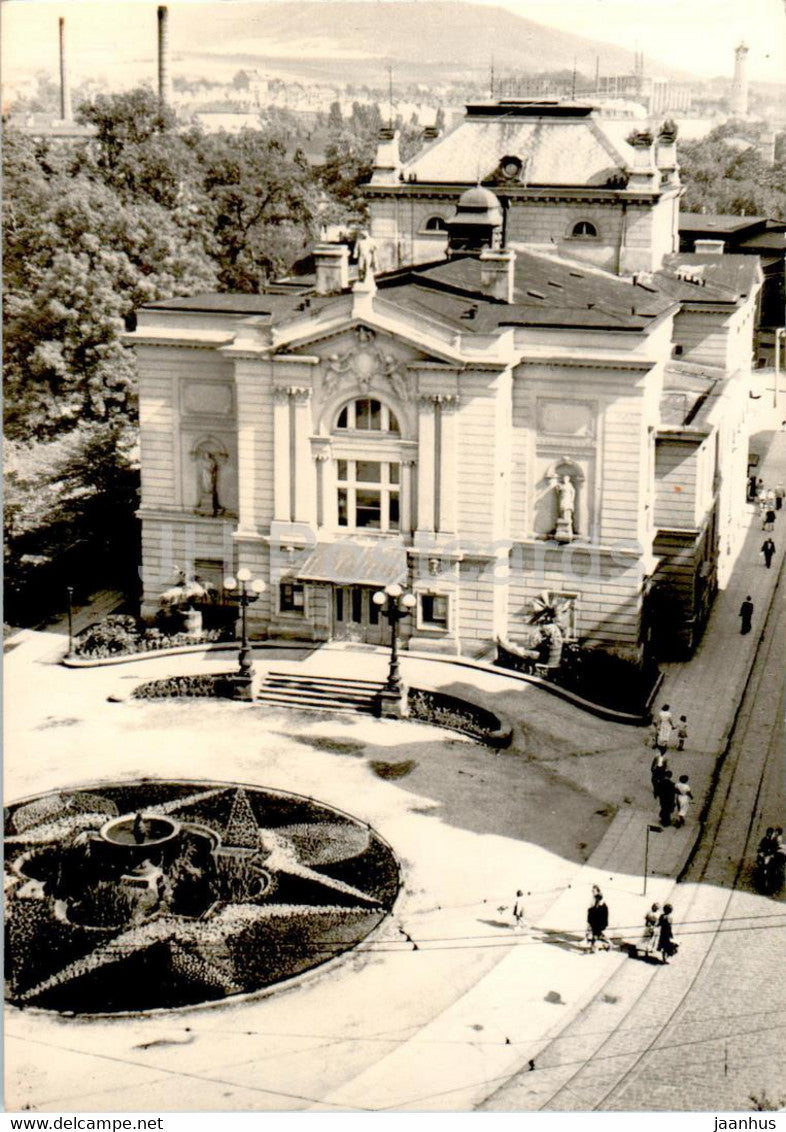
(649, 934)
(664, 729)
(780, 491)
(597, 921)
(682, 732)
(768, 550)
(684, 797)
(666, 945)
(769, 519)
(667, 793)
(763, 509)
(658, 767)
(746, 613)
(518, 911)
(751, 489)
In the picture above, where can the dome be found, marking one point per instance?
(479, 199)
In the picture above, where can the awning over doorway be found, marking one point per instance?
(353, 562)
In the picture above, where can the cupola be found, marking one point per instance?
(477, 222)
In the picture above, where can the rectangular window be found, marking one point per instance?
(368, 510)
(368, 471)
(292, 598)
(339, 604)
(368, 494)
(357, 605)
(393, 517)
(434, 610)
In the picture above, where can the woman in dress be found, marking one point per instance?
(684, 799)
(666, 945)
(648, 936)
(663, 733)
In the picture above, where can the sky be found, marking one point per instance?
(697, 36)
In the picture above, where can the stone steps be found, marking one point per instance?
(323, 693)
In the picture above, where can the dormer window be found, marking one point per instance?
(584, 230)
(367, 415)
(435, 224)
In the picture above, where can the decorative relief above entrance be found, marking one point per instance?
(363, 364)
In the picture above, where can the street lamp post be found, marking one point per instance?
(250, 590)
(70, 597)
(395, 605)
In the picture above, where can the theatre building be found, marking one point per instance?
(502, 420)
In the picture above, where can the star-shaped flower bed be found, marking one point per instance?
(254, 887)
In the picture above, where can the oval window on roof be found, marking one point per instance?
(510, 166)
(584, 229)
(366, 414)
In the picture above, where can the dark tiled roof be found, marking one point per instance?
(717, 223)
(727, 277)
(547, 292)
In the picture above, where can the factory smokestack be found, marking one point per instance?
(164, 78)
(65, 90)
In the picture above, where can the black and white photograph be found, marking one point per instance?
(394, 640)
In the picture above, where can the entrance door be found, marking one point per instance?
(355, 616)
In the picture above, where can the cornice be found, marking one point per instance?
(638, 365)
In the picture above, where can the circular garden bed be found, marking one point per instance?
(248, 887)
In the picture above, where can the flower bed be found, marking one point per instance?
(203, 684)
(601, 677)
(458, 715)
(123, 635)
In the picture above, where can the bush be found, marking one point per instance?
(458, 715)
(119, 635)
(604, 678)
(203, 684)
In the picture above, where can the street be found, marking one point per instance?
(707, 1032)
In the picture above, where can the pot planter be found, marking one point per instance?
(192, 622)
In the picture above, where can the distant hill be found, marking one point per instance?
(423, 41)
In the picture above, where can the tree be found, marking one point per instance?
(260, 206)
(78, 261)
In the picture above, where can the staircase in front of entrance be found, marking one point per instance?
(326, 693)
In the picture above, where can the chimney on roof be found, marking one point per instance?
(387, 162)
(497, 273)
(331, 262)
(709, 247)
(643, 174)
(164, 76)
(65, 90)
(666, 152)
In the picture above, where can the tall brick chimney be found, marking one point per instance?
(65, 90)
(164, 76)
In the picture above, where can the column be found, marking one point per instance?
(409, 517)
(446, 472)
(304, 493)
(426, 439)
(281, 454)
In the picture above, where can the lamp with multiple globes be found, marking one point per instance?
(249, 590)
(395, 605)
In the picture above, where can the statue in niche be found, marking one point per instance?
(210, 459)
(566, 506)
(396, 375)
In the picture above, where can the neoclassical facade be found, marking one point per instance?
(496, 424)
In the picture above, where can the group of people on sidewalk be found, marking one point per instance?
(657, 936)
(673, 797)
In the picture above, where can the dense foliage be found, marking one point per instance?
(722, 175)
